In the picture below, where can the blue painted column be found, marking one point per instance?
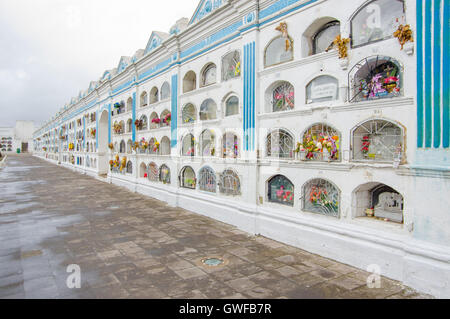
(174, 111)
(437, 74)
(446, 75)
(428, 73)
(249, 97)
(420, 95)
(432, 74)
(134, 118)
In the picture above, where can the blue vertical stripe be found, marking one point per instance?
(419, 73)
(437, 75)
(249, 97)
(446, 77)
(245, 139)
(174, 111)
(133, 134)
(252, 94)
(428, 73)
(247, 85)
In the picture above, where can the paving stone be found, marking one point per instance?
(241, 284)
(131, 246)
(190, 273)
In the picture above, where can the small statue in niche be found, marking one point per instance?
(390, 206)
(284, 31)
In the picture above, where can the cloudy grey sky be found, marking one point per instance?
(52, 49)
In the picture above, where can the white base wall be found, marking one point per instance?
(417, 264)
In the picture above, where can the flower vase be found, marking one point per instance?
(302, 155)
(326, 155)
(409, 48)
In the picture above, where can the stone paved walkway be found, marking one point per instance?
(131, 246)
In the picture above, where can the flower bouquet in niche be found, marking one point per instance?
(320, 146)
(167, 119)
(143, 144)
(156, 147)
(123, 164)
(365, 145)
(319, 197)
(190, 182)
(284, 195)
(156, 121)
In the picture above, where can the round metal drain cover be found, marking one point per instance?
(213, 262)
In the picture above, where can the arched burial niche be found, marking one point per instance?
(231, 105)
(155, 121)
(378, 140)
(323, 88)
(279, 143)
(165, 146)
(377, 20)
(208, 110)
(153, 172)
(379, 201)
(144, 99)
(130, 104)
(165, 91)
(187, 178)
(229, 183)
(320, 35)
(280, 97)
(143, 123)
(209, 75)
(122, 147)
(129, 147)
(280, 190)
(189, 114)
(321, 197)
(154, 95)
(103, 132)
(207, 180)
(165, 118)
(129, 125)
(189, 82)
(276, 53)
(129, 167)
(231, 66)
(375, 77)
(207, 143)
(164, 174)
(143, 171)
(320, 142)
(230, 145)
(188, 146)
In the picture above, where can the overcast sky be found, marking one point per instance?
(52, 49)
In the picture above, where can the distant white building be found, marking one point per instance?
(18, 137)
(246, 113)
